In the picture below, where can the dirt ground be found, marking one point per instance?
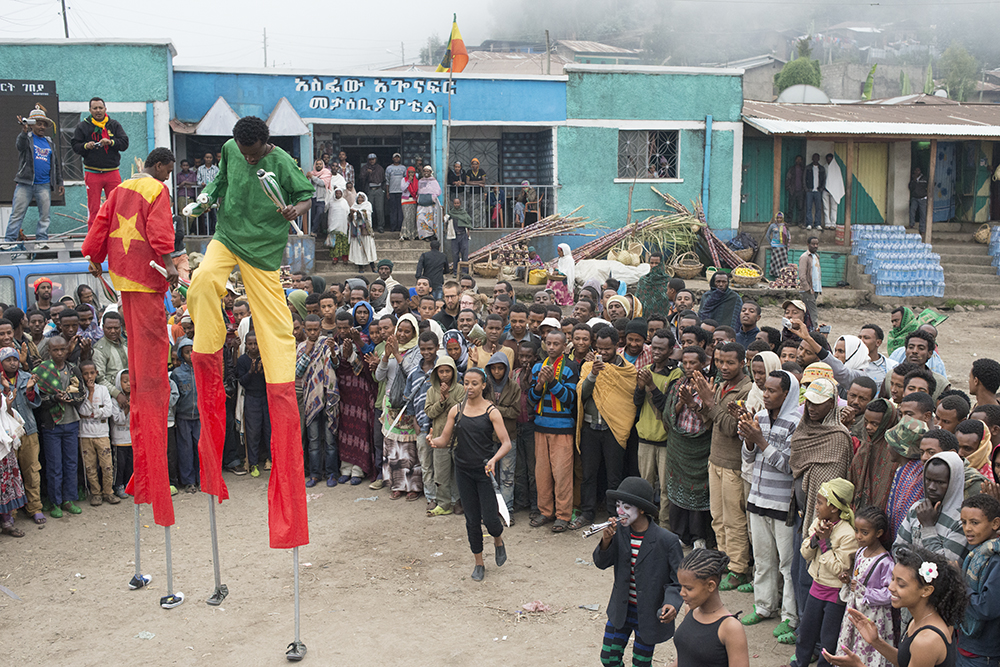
(380, 581)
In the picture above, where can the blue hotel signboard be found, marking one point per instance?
(377, 98)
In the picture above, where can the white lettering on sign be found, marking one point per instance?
(353, 98)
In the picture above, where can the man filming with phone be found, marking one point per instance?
(39, 174)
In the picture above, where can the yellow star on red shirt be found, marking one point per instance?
(126, 231)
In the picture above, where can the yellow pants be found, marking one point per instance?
(271, 317)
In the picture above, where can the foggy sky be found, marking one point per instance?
(368, 35)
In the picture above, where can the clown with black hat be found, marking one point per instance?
(646, 595)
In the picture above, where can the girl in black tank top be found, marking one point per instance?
(709, 636)
(933, 590)
(474, 422)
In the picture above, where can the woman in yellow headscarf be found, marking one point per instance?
(974, 446)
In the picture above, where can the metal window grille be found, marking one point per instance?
(647, 153)
(72, 164)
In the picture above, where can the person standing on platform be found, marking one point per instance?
(394, 175)
(100, 140)
(373, 184)
(833, 193)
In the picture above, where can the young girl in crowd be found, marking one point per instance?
(709, 636)
(474, 421)
(868, 590)
(829, 547)
(932, 591)
(445, 392)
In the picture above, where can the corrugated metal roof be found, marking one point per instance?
(500, 62)
(581, 46)
(749, 63)
(946, 120)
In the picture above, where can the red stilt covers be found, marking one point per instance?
(286, 493)
(208, 370)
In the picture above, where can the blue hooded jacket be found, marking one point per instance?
(183, 376)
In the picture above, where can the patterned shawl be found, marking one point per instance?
(897, 335)
(49, 383)
(821, 451)
(687, 457)
(872, 468)
(319, 384)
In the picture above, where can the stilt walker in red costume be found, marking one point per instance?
(134, 230)
(252, 233)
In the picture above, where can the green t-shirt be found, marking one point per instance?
(249, 223)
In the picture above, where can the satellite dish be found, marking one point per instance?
(941, 93)
(803, 94)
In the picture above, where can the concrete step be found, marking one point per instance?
(966, 260)
(955, 270)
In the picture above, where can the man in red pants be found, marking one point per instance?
(134, 227)
(100, 140)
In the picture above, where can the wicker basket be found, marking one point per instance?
(746, 281)
(686, 266)
(746, 254)
(556, 277)
(982, 234)
(487, 269)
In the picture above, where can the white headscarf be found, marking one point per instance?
(755, 399)
(567, 266)
(363, 205)
(337, 210)
(11, 429)
(855, 353)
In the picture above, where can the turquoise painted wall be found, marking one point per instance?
(664, 96)
(115, 72)
(141, 73)
(588, 156)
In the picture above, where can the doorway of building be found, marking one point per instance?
(359, 148)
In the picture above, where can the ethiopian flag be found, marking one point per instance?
(455, 57)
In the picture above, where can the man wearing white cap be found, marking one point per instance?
(373, 181)
(38, 174)
(394, 175)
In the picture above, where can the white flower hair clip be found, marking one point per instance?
(928, 571)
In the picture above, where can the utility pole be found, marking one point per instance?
(65, 20)
(548, 55)
(402, 50)
(265, 47)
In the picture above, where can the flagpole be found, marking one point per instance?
(447, 146)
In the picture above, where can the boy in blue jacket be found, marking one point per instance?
(186, 420)
(553, 397)
(979, 632)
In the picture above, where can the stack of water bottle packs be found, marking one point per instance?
(901, 264)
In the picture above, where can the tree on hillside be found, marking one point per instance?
(433, 51)
(802, 70)
(960, 71)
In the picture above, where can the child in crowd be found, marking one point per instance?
(829, 548)
(979, 632)
(121, 435)
(61, 386)
(506, 396)
(95, 437)
(709, 636)
(172, 438)
(868, 590)
(186, 419)
(646, 595)
(525, 493)
(445, 391)
(25, 398)
(11, 486)
(256, 418)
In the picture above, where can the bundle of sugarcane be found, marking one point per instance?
(553, 225)
(722, 255)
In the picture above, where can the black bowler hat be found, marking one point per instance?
(636, 491)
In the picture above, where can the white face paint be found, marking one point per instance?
(627, 514)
